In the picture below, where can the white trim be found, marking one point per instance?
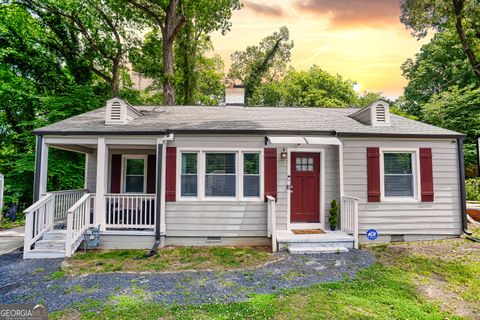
(123, 171)
(101, 187)
(415, 171)
(43, 168)
(321, 225)
(201, 174)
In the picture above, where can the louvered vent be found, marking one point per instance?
(116, 111)
(380, 113)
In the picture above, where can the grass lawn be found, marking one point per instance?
(167, 259)
(424, 280)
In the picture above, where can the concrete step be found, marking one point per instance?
(50, 244)
(44, 254)
(316, 244)
(314, 250)
(55, 235)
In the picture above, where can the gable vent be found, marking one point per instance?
(376, 114)
(120, 112)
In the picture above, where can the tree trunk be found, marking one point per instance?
(168, 74)
(459, 6)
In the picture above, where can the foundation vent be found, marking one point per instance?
(214, 239)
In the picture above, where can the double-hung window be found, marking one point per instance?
(399, 174)
(251, 174)
(134, 177)
(220, 174)
(229, 174)
(189, 175)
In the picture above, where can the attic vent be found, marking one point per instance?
(120, 112)
(115, 113)
(380, 114)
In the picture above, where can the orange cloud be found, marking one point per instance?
(263, 9)
(349, 13)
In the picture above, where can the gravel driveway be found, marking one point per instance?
(31, 281)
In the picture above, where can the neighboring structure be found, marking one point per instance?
(235, 95)
(194, 175)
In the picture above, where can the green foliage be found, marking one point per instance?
(472, 187)
(333, 214)
(264, 62)
(451, 109)
(312, 88)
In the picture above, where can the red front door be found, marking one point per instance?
(305, 187)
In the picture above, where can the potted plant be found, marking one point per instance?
(333, 218)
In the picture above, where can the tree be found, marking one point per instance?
(170, 16)
(105, 29)
(201, 85)
(450, 109)
(266, 62)
(312, 88)
(462, 15)
(441, 63)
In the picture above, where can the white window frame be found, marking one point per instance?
(415, 171)
(126, 157)
(201, 171)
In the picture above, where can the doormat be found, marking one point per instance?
(308, 231)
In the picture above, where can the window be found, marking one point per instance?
(135, 174)
(251, 174)
(189, 176)
(304, 164)
(220, 175)
(398, 169)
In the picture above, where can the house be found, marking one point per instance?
(230, 175)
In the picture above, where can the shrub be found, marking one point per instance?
(333, 217)
(473, 189)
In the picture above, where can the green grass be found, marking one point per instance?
(9, 224)
(389, 289)
(167, 259)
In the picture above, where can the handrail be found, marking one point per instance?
(37, 204)
(349, 217)
(67, 191)
(272, 222)
(39, 218)
(78, 220)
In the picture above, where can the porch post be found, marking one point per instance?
(101, 185)
(340, 176)
(41, 169)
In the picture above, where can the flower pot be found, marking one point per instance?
(332, 228)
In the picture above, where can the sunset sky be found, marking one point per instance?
(362, 40)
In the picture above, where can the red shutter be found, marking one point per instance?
(426, 174)
(270, 172)
(116, 173)
(171, 174)
(151, 173)
(373, 174)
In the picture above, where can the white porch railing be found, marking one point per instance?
(78, 221)
(272, 222)
(349, 217)
(39, 219)
(64, 200)
(130, 211)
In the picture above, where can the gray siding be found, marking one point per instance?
(217, 218)
(415, 220)
(91, 177)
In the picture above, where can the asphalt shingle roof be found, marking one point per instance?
(271, 120)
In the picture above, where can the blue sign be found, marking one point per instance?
(372, 234)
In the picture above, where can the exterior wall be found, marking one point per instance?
(91, 174)
(416, 221)
(216, 218)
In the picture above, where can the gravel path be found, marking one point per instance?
(30, 281)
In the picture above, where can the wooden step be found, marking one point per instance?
(50, 244)
(55, 235)
(44, 254)
(316, 249)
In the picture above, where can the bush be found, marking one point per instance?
(333, 217)
(473, 189)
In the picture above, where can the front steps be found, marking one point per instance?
(329, 242)
(52, 245)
